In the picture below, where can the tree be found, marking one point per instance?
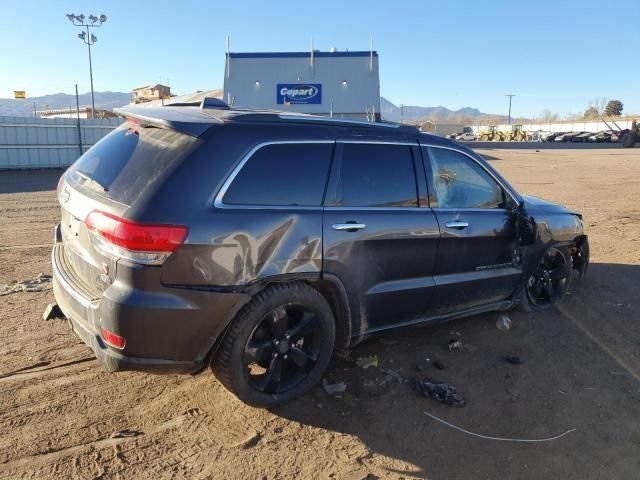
(549, 116)
(613, 108)
(591, 112)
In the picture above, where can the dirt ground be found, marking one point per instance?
(62, 417)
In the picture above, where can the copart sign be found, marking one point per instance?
(299, 93)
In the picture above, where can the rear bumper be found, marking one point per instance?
(160, 338)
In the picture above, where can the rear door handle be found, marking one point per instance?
(349, 227)
(458, 225)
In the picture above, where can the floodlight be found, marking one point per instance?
(71, 17)
(93, 18)
(102, 18)
(94, 39)
(82, 35)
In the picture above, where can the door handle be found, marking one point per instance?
(349, 227)
(457, 224)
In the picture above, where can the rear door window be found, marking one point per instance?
(286, 174)
(376, 175)
(459, 182)
(123, 164)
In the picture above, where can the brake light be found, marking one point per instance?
(138, 242)
(110, 338)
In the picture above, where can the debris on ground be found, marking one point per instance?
(455, 345)
(333, 388)
(366, 362)
(52, 311)
(41, 283)
(513, 359)
(249, 442)
(439, 365)
(439, 391)
(503, 323)
(455, 333)
(499, 439)
(126, 434)
(392, 374)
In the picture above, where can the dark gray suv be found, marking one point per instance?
(259, 242)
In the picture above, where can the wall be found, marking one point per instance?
(27, 142)
(568, 126)
(330, 69)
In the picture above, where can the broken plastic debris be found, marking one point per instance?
(503, 323)
(455, 345)
(41, 283)
(439, 391)
(513, 359)
(126, 434)
(366, 362)
(333, 388)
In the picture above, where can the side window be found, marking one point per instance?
(459, 182)
(287, 174)
(376, 175)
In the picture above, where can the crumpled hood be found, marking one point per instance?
(535, 204)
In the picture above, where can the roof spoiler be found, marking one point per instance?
(192, 123)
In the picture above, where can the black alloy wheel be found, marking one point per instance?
(278, 346)
(549, 283)
(283, 348)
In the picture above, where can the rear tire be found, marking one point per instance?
(549, 283)
(277, 347)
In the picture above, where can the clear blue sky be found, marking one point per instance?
(551, 54)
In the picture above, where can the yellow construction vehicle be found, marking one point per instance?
(491, 135)
(517, 134)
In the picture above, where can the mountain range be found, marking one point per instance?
(110, 100)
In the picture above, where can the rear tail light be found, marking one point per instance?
(111, 339)
(144, 243)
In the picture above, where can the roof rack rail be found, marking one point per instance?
(319, 119)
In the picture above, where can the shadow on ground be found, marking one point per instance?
(580, 370)
(16, 181)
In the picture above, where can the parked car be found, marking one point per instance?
(465, 137)
(581, 138)
(552, 136)
(566, 137)
(538, 136)
(258, 242)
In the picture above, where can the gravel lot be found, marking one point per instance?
(62, 417)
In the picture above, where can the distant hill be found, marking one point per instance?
(24, 108)
(111, 100)
(391, 112)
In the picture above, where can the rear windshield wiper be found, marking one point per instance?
(94, 182)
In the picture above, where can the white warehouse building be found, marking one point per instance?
(339, 84)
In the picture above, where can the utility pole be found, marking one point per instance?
(510, 95)
(78, 121)
(88, 38)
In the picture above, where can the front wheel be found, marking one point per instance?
(550, 281)
(278, 346)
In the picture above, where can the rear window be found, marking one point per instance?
(130, 159)
(287, 174)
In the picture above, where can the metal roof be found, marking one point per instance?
(306, 54)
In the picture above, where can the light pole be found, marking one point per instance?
(510, 95)
(88, 38)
